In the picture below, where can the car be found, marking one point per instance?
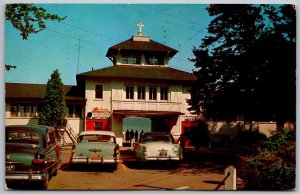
(157, 146)
(96, 147)
(32, 153)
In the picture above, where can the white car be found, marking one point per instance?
(96, 147)
(157, 146)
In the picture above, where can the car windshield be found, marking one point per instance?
(96, 138)
(22, 137)
(156, 138)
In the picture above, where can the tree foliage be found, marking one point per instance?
(246, 64)
(53, 112)
(273, 166)
(28, 18)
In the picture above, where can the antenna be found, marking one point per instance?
(79, 46)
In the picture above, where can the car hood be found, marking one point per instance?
(21, 153)
(94, 148)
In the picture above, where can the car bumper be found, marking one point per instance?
(31, 176)
(157, 158)
(86, 160)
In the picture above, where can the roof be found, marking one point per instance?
(141, 72)
(110, 133)
(23, 90)
(142, 46)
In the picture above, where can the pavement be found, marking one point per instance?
(210, 163)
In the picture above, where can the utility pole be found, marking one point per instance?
(78, 54)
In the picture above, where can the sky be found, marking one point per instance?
(99, 27)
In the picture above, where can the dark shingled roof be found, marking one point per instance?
(141, 72)
(38, 91)
(142, 46)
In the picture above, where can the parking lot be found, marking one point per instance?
(194, 173)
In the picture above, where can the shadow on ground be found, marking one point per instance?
(87, 167)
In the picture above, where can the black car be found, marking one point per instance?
(32, 153)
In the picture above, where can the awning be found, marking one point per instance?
(149, 114)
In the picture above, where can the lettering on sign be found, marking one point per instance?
(100, 112)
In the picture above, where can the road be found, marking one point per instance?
(194, 173)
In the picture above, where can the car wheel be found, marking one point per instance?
(55, 172)
(9, 185)
(114, 167)
(45, 182)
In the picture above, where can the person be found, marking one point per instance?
(131, 135)
(142, 132)
(182, 141)
(127, 137)
(136, 136)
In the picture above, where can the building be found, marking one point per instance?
(140, 83)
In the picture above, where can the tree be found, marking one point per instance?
(53, 112)
(28, 18)
(246, 64)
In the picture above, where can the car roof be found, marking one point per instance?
(157, 133)
(98, 133)
(37, 128)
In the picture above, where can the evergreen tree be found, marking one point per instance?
(54, 108)
(246, 64)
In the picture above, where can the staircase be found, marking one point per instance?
(67, 136)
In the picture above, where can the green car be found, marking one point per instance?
(32, 153)
(96, 147)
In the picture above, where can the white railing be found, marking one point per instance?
(146, 106)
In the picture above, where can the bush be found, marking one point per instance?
(273, 167)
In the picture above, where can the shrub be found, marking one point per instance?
(273, 166)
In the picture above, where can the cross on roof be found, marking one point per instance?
(140, 25)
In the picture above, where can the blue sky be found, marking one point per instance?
(100, 26)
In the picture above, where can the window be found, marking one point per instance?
(13, 110)
(98, 125)
(78, 111)
(154, 59)
(69, 110)
(130, 59)
(152, 93)
(32, 110)
(22, 110)
(99, 91)
(129, 92)
(74, 110)
(164, 93)
(141, 92)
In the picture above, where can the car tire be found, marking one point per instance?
(55, 172)
(45, 182)
(114, 167)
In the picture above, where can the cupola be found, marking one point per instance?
(140, 50)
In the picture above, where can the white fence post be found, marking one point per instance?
(230, 178)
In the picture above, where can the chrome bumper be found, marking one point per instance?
(157, 158)
(86, 160)
(31, 176)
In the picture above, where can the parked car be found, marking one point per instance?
(32, 153)
(157, 146)
(96, 147)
